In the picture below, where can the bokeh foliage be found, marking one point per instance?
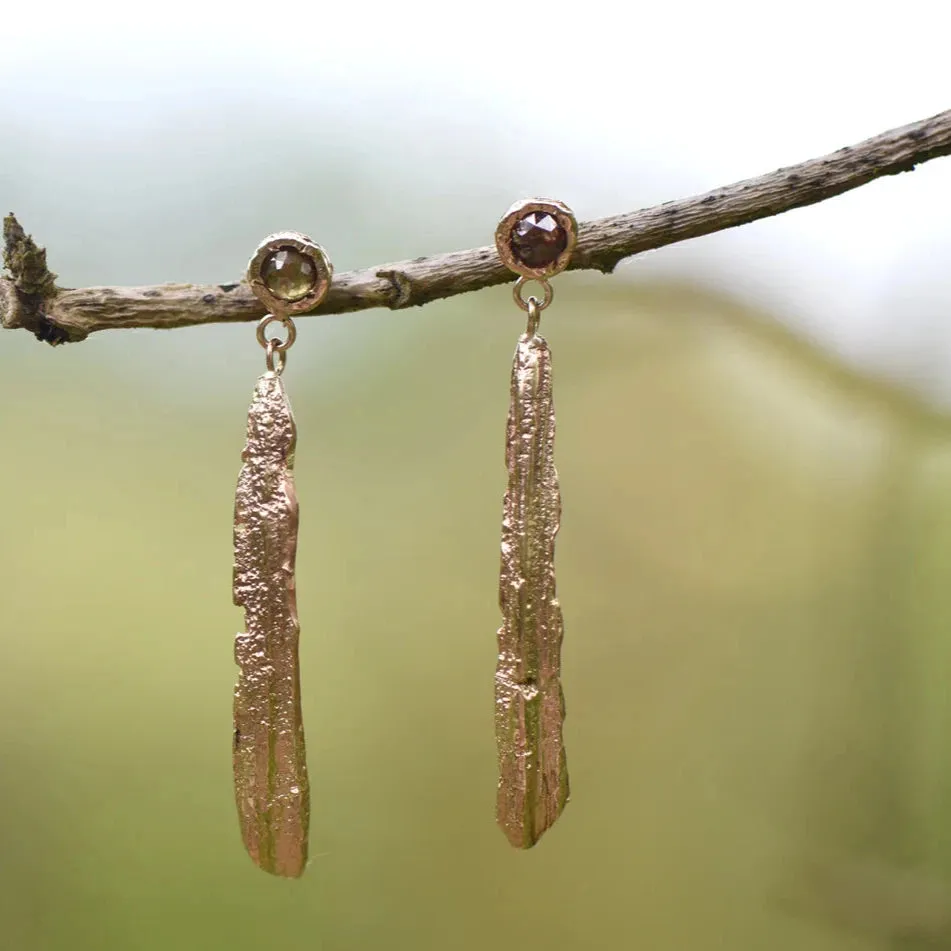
(752, 566)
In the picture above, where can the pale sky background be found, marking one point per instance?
(608, 105)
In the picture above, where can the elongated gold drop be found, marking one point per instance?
(535, 239)
(289, 274)
(270, 768)
(529, 704)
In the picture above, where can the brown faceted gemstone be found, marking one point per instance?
(538, 239)
(289, 274)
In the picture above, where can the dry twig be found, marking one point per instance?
(30, 299)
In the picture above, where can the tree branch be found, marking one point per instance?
(30, 299)
(23, 299)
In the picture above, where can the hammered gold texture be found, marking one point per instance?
(529, 703)
(270, 771)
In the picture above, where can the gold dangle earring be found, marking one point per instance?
(289, 274)
(535, 239)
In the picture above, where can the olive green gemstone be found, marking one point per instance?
(289, 274)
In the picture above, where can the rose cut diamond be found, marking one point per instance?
(537, 240)
(289, 274)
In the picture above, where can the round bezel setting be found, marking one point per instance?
(296, 243)
(506, 231)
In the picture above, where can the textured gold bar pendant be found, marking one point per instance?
(529, 704)
(270, 771)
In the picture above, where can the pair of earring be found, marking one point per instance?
(290, 274)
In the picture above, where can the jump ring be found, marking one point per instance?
(278, 344)
(523, 303)
(276, 349)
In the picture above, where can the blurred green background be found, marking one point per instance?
(753, 571)
(752, 564)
